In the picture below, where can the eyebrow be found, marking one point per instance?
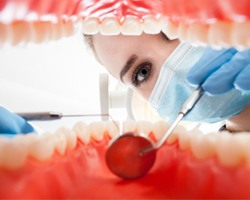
(128, 65)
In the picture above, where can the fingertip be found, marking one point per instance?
(192, 81)
(207, 90)
(214, 91)
(27, 128)
(211, 92)
(208, 93)
(241, 86)
(193, 85)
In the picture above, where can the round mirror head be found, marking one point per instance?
(124, 156)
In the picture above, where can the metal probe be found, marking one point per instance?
(185, 109)
(44, 116)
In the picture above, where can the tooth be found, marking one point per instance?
(56, 30)
(60, 141)
(173, 137)
(97, 130)
(12, 154)
(129, 126)
(33, 37)
(230, 151)
(247, 149)
(71, 139)
(159, 128)
(68, 28)
(219, 34)
(151, 25)
(145, 127)
(203, 146)
(131, 26)
(184, 140)
(82, 131)
(169, 28)
(240, 35)
(49, 30)
(197, 34)
(182, 31)
(90, 26)
(39, 31)
(75, 23)
(243, 139)
(110, 26)
(19, 32)
(42, 148)
(26, 140)
(3, 34)
(112, 128)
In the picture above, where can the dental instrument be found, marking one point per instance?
(44, 116)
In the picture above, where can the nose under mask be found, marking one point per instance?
(172, 90)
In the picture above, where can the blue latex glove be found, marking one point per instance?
(219, 71)
(11, 123)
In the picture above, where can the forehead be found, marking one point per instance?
(113, 51)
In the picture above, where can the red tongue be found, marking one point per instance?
(124, 159)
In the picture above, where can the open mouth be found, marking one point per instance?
(70, 163)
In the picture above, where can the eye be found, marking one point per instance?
(141, 74)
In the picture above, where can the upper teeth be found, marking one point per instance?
(218, 34)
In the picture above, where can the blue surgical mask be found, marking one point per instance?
(172, 90)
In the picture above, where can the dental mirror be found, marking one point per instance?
(131, 156)
(124, 156)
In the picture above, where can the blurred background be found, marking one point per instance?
(63, 76)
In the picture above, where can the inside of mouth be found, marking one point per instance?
(70, 162)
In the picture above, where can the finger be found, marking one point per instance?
(243, 56)
(12, 123)
(222, 80)
(209, 63)
(242, 81)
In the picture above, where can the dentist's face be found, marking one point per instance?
(134, 60)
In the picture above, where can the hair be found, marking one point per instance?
(88, 40)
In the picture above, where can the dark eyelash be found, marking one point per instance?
(135, 81)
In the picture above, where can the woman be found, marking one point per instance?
(157, 68)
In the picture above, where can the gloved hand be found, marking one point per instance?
(219, 71)
(11, 123)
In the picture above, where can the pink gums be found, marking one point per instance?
(205, 11)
